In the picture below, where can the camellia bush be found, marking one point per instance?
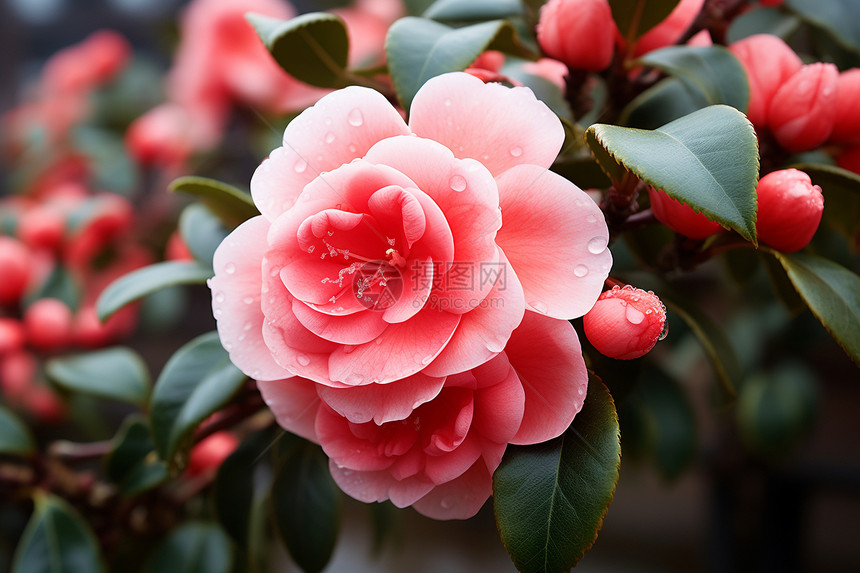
(425, 255)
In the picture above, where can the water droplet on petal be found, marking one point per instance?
(580, 270)
(665, 332)
(457, 183)
(248, 326)
(355, 118)
(446, 503)
(538, 306)
(591, 219)
(219, 297)
(248, 300)
(328, 121)
(597, 245)
(230, 268)
(300, 166)
(303, 360)
(516, 151)
(329, 137)
(447, 103)
(634, 315)
(352, 148)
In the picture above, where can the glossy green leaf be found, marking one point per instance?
(197, 381)
(117, 373)
(137, 284)
(781, 284)
(15, 437)
(474, 10)
(419, 49)
(202, 232)
(232, 205)
(313, 48)
(841, 189)
(306, 506)
(111, 167)
(59, 284)
(665, 101)
(550, 499)
(712, 71)
(707, 159)
(194, 547)
(772, 21)
(133, 464)
(56, 540)
(832, 293)
(635, 17)
(839, 18)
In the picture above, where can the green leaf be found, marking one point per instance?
(474, 10)
(137, 284)
(117, 373)
(56, 540)
(762, 21)
(111, 167)
(60, 285)
(712, 71)
(781, 284)
(635, 17)
(15, 437)
(839, 18)
(195, 383)
(202, 232)
(232, 205)
(419, 49)
(832, 293)
(306, 505)
(196, 546)
(313, 48)
(550, 499)
(665, 101)
(707, 159)
(841, 189)
(133, 464)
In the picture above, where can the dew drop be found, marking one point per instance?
(248, 326)
(580, 391)
(634, 315)
(516, 151)
(355, 118)
(303, 360)
(538, 306)
(242, 337)
(352, 148)
(446, 503)
(457, 183)
(219, 297)
(329, 137)
(328, 121)
(300, 166)
(230, 269)
(248, 300)
(255, 374)
(447, 103)
(227, 346)
(665, 332)
(597, 245)
(580, 270)
(591, 219)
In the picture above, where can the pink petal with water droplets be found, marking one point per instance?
(294, 403)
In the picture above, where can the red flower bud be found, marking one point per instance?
(14, 270)
(211, 453)
(680, 217)
(12, 337)
(42, 228)
(670, 30)
(580, 33)
(803, 110)
(769, 62)
(847, 128)
(17, 372)
(48, 323)
(789, 209)
(625, 323)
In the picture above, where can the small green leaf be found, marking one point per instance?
(202, 232)
(550, 499)
(474, 10)
(707, 159)
(762, 21)
(839, 18)
(117, 373)
(419, 49)
(712, 71)
(15, 438)
(832, 293)
(313, 48)
(635, 17)
(197, 380)
(133, 464)
(111, 167)
(137, 284)
(196, 546)
(57, 540)
(232, 205)
(306, 506)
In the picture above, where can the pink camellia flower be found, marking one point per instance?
(388, 250)
(625, 323)
(86, 65)
(580, 33)
(680, 217)
(670, 30)
(790, 208)
(769, 63)
(846, 129)
(802, 112)
(440, 456)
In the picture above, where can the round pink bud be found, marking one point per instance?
(680, 217)
(17, 372)
(625, 323)
(15, 270)
(12, 336)
(847, 128)
(42, 228)
(48, 323)
(789, 209)
(580, 33)
(211, 453)
(803, 110)
(670, 30)
(768, 62)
